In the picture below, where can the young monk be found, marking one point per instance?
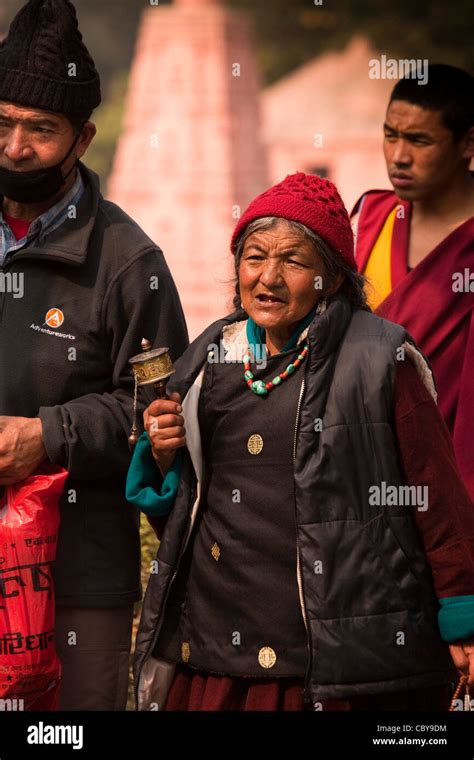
(416, 244)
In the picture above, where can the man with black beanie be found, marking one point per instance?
(80, 286)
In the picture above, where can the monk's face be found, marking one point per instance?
(277, 274)
(423, 158)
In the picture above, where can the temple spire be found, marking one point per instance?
(190, 158)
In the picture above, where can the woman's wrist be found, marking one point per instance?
(164, 463)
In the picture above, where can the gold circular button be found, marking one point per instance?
(255, 443)
(267, 657)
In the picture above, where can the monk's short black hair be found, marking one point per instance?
(448, 89)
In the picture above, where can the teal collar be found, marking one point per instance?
(256, 334)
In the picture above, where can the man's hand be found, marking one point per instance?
(463, 658)
(21, 448)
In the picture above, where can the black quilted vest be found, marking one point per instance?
(369, 597)
(234, 607)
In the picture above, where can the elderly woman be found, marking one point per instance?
(317, 550)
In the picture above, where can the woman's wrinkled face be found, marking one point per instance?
(280, 276)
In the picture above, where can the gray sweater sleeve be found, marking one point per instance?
(88, 435)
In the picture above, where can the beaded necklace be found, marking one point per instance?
(258, 386)
(261, 388)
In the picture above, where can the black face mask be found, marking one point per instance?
(37, 185)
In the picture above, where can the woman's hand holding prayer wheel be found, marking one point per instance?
(165, 427)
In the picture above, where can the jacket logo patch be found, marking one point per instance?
(54, 318)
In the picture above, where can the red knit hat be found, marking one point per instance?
(311, 200)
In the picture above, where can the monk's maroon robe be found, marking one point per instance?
(425, 301)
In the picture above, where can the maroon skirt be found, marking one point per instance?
(197, 690)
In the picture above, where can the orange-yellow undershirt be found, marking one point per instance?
(378, 267)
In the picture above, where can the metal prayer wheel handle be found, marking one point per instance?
(152, 367)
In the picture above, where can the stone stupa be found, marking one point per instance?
(190, 157)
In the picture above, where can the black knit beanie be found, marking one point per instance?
(44, 62)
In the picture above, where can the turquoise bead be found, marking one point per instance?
(290, 369)
(248, 375)
(276, 380)
(258, 387)
(247, 358)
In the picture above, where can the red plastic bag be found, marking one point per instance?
(30, 670)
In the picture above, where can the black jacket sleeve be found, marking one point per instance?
(88, 435)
